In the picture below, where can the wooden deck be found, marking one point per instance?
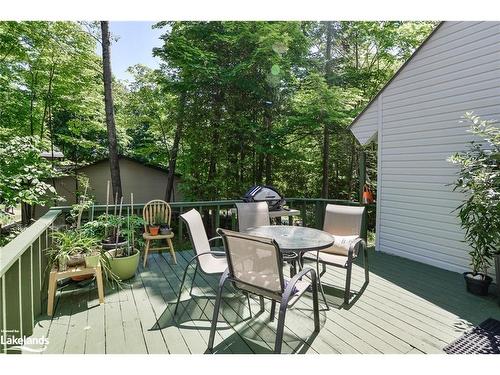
(408, 307)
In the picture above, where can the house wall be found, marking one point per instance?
(418, 127)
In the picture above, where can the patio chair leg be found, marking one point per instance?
(180, 289)
(323, 269)
(172, 251)
(347, 292)
(215, 317)
(366, 264)
(192, 281)
(248, 301)
(261, 302)
(281, 327)
(315, 303)
(320, 284)
(273, 310)
(146, 251)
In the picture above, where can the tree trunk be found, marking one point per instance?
(326, 161)
(32, 101)
(175, 149)
(326, 130)
(47, 98)
(268, 156)
(110, 117)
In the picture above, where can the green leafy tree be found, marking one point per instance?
(24, 175)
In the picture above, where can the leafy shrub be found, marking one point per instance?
(479, 180)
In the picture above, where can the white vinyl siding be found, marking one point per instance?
(456, 70)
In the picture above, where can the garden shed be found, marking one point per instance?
(415, 120)
(146, 181)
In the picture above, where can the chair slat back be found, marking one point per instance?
(155, 208)
(253, 262)
(253, 214)
(343, 220)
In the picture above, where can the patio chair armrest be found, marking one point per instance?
(215, 252)
(207, 253)
(354, 247)
(291, 284)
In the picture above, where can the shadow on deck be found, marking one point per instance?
(408, 307)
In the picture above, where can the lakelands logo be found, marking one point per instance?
(26, 344)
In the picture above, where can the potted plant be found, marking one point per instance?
(69, 248)
(124, 260)
(479, 180)
(164, 228)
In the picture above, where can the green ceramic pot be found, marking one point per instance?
(124, 267)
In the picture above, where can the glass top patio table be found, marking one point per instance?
(294, 239)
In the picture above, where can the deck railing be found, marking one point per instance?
(221, 214)
(23, 275)
(23, 264)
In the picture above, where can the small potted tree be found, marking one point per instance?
(479, 180)
(154, 228)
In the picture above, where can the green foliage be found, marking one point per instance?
(85, 201)
(252, 98)
(69, 243)
(108, 224)
(50, 86)
(24, 173)
(159, 219)
(479, 180)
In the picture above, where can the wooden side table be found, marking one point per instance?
(72, 272)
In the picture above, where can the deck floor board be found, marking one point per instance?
(408, 307)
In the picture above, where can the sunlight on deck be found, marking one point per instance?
(408, 307)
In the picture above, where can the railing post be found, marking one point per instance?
(362, 182)
(318, 214)
(3, 314)
(179, 223)
(362, 174)
(364, 225)
(217, 217)
(303, 213)
(233, 219)
(12, 296)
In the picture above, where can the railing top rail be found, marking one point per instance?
(11, 252)
(172, 204)
(228, 202)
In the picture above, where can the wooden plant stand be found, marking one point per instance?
(56, 275)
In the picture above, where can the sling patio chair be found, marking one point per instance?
(255, 266)
(344, 223)
(254, 214)
(208, 261)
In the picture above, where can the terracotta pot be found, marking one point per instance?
(153, 230)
